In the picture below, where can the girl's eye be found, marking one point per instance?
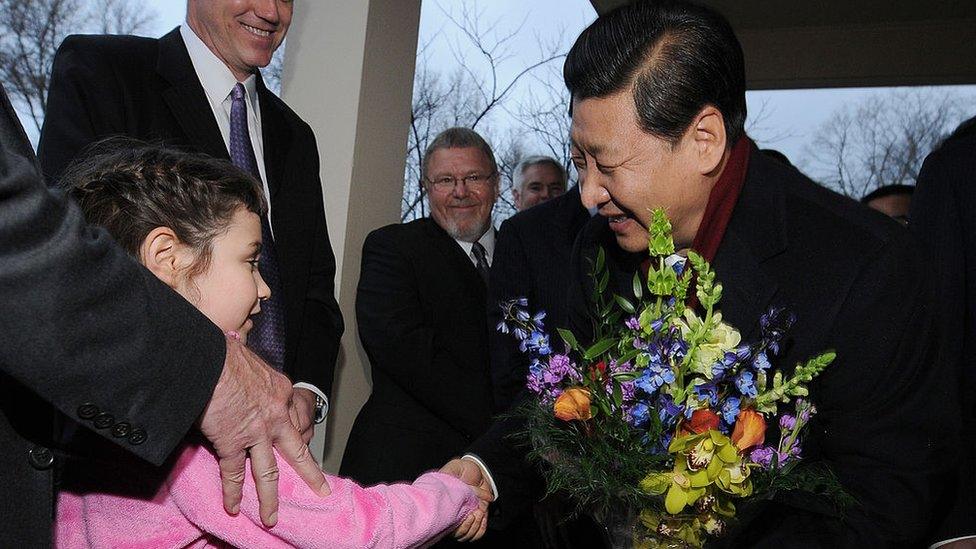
(253, 263)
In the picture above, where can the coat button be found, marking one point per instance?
(121, 429)
(88, 410)
(40, 458)
(137, 437)
(103, 420)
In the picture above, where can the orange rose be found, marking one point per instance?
(702, 420)
(750, 430)
(573, 404)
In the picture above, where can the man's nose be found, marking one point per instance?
(460, 188)
(592, 193)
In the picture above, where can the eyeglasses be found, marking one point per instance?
(474, 181)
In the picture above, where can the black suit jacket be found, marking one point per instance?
(147, 88)
(420, 307)
(532, 260)
(857, 284)
(87, 333)
(944, 218)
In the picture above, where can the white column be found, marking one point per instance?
(349, 73)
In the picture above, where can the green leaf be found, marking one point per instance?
(569, 338)
(624, 304)
(618, 395)
(601, 259)
(638, 287)
(656, 483)
(599, 348)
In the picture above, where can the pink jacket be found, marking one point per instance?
(187, 511)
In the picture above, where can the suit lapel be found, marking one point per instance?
(455, 258)
(186, 99)
(275, 136)
(755, 234)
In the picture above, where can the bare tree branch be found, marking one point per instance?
(883, 139)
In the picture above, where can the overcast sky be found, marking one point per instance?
(789, 116)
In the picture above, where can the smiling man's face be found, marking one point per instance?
(463, 210)
(244, 34)
(625, 173)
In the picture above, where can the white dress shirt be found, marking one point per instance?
(218, 82)
(487, 240)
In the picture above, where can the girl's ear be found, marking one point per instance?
(164, 255)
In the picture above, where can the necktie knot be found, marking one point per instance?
(237, 93)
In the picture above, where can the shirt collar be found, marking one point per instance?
(487, 240)
(217, 80)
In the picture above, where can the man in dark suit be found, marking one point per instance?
(198, 88)
(91, 336)
(943, 215)
(643, 138)
(421, 312)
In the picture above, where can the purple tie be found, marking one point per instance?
(267, 338)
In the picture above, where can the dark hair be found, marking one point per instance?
(458, 138)
(677, 56)
(130, 187)
(888, 190)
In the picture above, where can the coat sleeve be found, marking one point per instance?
(322, 326)
(83, 103)
(351, 516)
(401, 343)
(85, 327)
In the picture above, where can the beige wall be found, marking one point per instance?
(349, 73)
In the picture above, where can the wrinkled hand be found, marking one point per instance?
(249, 413)
(302, 413)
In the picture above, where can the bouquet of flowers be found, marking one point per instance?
(667, 417)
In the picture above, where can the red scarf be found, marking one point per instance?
(718, 210)
(722, 200)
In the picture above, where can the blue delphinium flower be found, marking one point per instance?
(640, 414)
(653, 377)
(707, 393)
(761, 362)
(668, 411)
(537, 342)
(720, 368)
(787, 422)
(730, 410)
(745, 384)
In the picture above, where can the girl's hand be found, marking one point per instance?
(474, 525)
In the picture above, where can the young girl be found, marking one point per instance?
(194, 222)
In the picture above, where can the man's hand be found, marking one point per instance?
(474, 525)
(249, 413)
(469, 473)
(302, 412)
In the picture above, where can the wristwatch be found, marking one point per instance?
(321, 409)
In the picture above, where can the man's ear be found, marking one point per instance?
(710, 140)
(164, 255)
